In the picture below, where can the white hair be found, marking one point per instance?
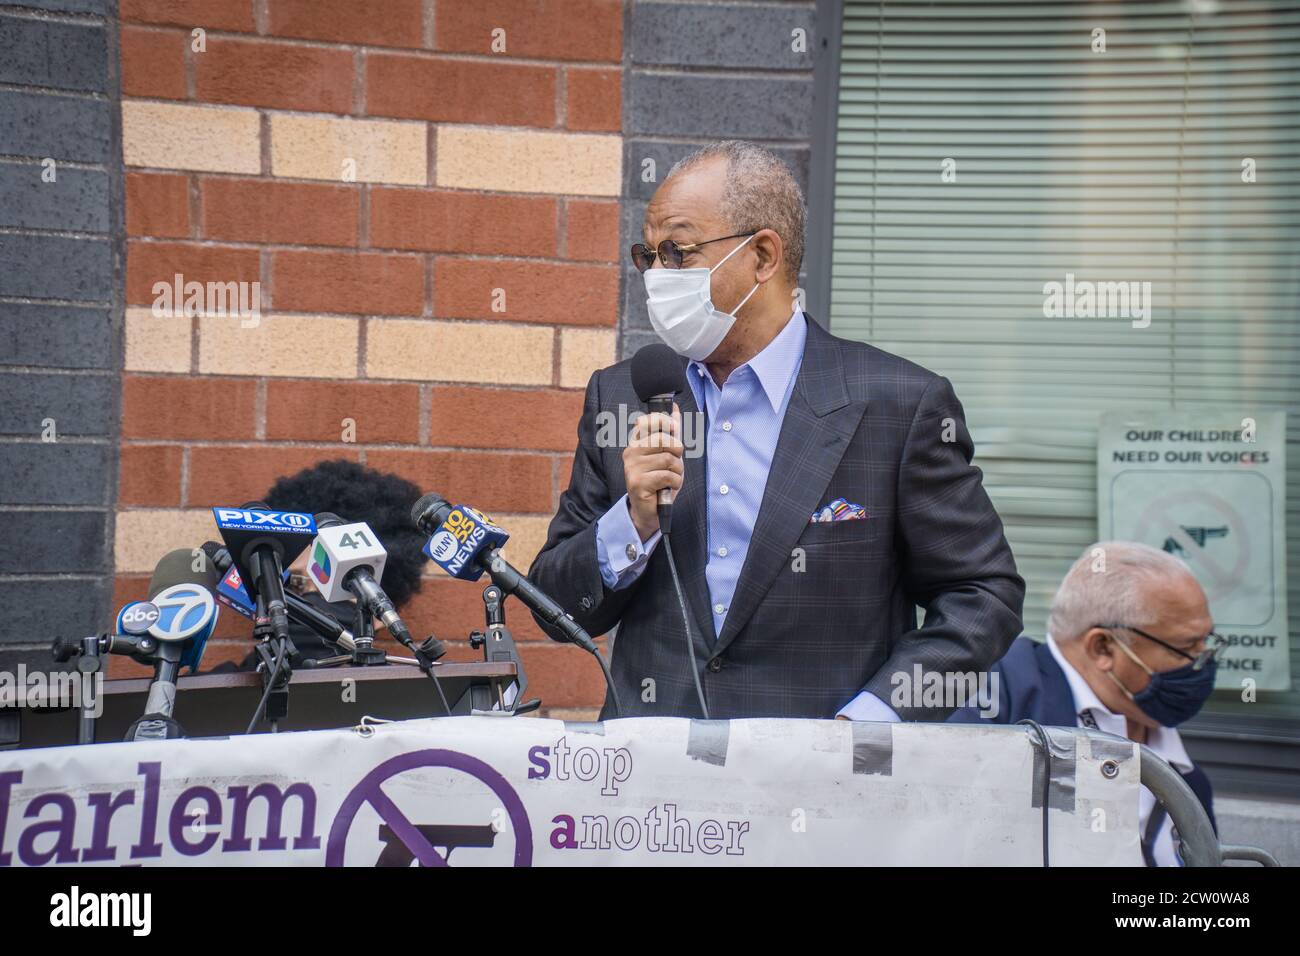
(760, 192)
(1109, 584)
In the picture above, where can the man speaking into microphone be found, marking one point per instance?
(831, 492)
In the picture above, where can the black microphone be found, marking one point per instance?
(657, 377)
(300, 611)
(430, 512)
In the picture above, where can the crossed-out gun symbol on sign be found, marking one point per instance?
(1199, 535)
(448, 835)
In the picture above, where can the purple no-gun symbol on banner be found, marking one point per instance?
(415, 838)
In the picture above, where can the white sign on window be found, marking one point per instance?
(1209, 488)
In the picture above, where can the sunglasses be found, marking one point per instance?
(670, 251)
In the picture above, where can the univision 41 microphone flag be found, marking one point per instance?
(462, 537)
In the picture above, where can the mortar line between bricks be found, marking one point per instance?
(62, 509)
(405, 187)
(63, 440)
(29, 231)
(71, 372)
(19, 159)
(211, 243)
(288, 444)
(429, 36)
(413, 52)
(63, 303)
(55, 91)
(54, 16)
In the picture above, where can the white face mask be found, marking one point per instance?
(681, 309)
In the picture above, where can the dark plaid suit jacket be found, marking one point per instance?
(822, 611)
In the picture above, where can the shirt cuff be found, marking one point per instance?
(619, 550)
(867, 706)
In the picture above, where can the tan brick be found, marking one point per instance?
(315, 147)
(527, 535)
(525, 161)
(144, 536)
(491, 352)
(305, 346)
(157, 343)
(218, 139)
(582, 351)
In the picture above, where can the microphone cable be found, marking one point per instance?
(609, 681)
(686, 620)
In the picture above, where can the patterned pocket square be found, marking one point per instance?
(839, 510)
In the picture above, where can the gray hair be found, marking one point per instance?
(1108, 585)
(760, 193)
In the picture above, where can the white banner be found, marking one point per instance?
(1209, 488)
(642, 791)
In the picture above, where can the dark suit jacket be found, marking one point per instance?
(1031, 685)
(807, 629)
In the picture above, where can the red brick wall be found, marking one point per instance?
(476, 174)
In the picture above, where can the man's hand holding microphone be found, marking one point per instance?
(652, 462)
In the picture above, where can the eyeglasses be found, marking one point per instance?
(1217, 642)
(670, 251)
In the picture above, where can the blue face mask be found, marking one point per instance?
(1171, 697)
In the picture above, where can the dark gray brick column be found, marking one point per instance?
(697, 72)
(60, 330)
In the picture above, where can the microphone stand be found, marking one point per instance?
(498, 645)
(274, 647)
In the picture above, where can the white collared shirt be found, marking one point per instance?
(1163, 741)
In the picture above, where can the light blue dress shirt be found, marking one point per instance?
(744, 422)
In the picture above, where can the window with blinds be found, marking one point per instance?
(1122, 165)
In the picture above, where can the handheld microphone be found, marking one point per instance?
(347, 559)
(464, 543)
(657, 377)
